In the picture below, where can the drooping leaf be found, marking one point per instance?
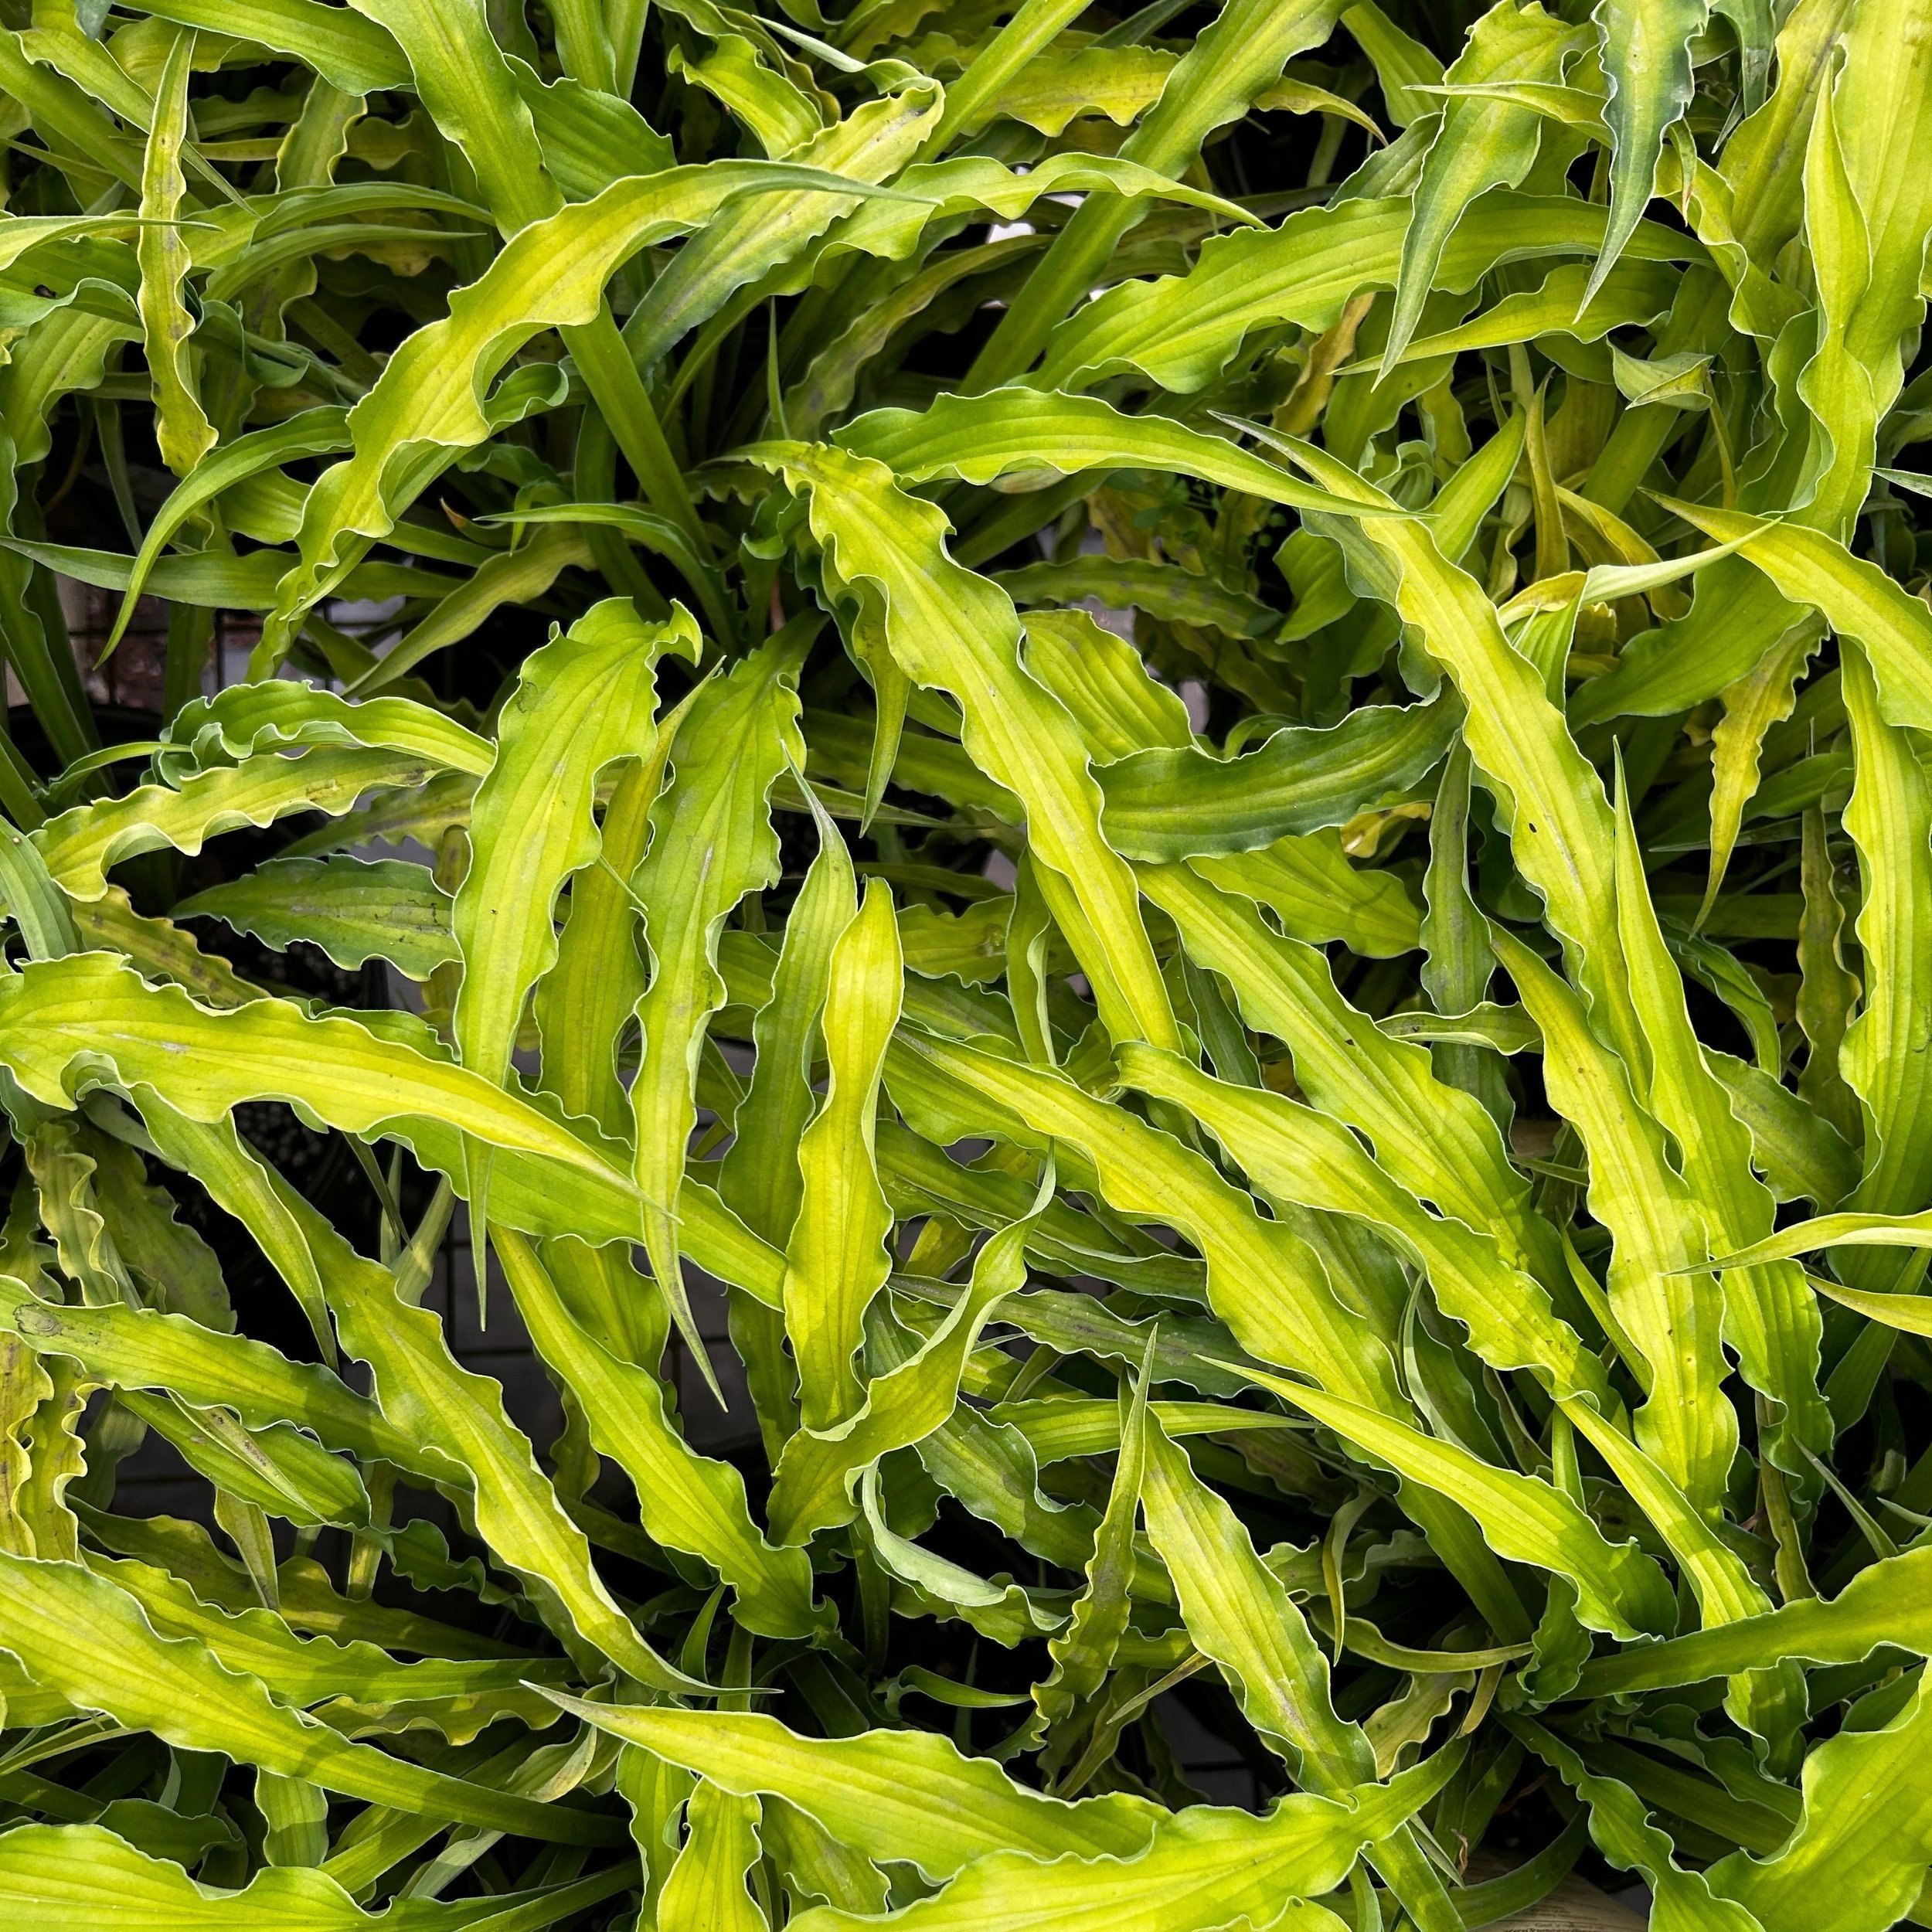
(77, 1632)
(908, 1796)
(76, 1876)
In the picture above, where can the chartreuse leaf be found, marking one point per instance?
(296, 1814)
(68, 1877)
(70, 1023)
(1756, 701)
(79, 1634)
(1238, 1614)
(812, 1485)
(916, 1171)
(759, 1178)
(145, 1349)
(466, 1437)
(828, 384)
(689, 1502)
(428, 407)
(512, 576)
(161, 950)
(935, 1585)
(1300, 1323)
(836, 1258)
(182, 427)
(43, 913)
(981, 437)
(711, 842)
(1889, 817)
(353, 52)
(1402, 63)
(1769, 1318)
(1182, 803)
(278, 1470)
(304, 1670)
(1206, 1867)
(1162, 589)
(813, 1865)
(1671, 1312)
(82, 846)
(1062, 1426)
(1295, 1153)
(1835, 1230)
(1225, 68)
(1103, 680)
(1180, 331)
(548, 1198)
(1550, 800)
(1619, 1589)
(245, 718)
(1886, 1604)
(774, 108)
(1851, 1864)
(1308, 883)
(989, 1471)
(904, 1796)
(1646, 51)
(1634, 295)
(585, 699)
(1084, 1652)
(355, 910)
(585, 1001)
(1480, 143)
(219, 581)
(26, 233)
(25, 1385)
(1460, 966)
(949, 630)
(1885, 133)
(705, 1891)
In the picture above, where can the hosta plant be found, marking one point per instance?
(1192, 743)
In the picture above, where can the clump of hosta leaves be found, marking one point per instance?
(1135, 807)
